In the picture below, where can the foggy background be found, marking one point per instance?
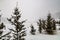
(32, 10)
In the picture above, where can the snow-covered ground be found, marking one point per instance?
(41, 36)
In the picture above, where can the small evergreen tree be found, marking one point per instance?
(32, 30)
(49, 29)
(40, 26)
(19, 30)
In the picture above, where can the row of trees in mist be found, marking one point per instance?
(48, 25)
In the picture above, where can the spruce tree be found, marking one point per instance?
(49, 24)
(19, 30)
(32, 30)
(39, 23)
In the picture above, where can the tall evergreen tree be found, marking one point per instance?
(32, 30)
(19, 30)
(40, 25)
(49, 24)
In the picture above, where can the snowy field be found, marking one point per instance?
(43, 36)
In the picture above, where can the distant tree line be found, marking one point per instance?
(49, 25)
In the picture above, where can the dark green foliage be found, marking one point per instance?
(19, 31)
(44, 24)
(40, 25)
(1, 32)
(58, 22)
(32, 30)
(2, 26)
(49, 25)
(1, 29)
(54, 25)
(8, 36)
(5, 35)
(49, 29)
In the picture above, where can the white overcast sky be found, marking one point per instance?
(31, 10)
